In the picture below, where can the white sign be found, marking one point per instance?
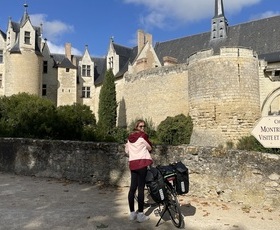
(267, 131)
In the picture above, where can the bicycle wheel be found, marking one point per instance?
(173, 208)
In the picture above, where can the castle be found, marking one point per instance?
(225, 79)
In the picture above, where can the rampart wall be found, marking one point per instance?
(219, 91)
(156, 93)
(248, 178)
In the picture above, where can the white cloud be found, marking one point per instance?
(60, 49)
(53, 31)
(163, 13)
(266, 14)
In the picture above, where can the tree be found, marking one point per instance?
(107, 111)
(25, 115)
(75, 122)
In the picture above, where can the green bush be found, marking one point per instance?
(29, 116)
(25, 115)
(75, 122)
(175, 130)
(250, 143)
(120, 134)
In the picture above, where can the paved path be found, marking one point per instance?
(31, 203)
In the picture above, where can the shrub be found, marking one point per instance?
(75, 122)
(175, 130)
(25, 115)
(250, 143)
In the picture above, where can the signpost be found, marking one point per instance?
(267, 131)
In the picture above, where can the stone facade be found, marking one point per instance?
(225, 89)
(248, 178)
(218, 116)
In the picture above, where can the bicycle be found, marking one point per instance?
(175, 181)
(171, 203)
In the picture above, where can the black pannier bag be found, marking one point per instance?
(182, 180)
(155, 185)
(168, 171)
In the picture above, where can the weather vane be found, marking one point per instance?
(25, 5)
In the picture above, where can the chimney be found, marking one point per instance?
(68, 51)
(143, 38)
(148, 38)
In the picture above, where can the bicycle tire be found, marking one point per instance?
(173, 208)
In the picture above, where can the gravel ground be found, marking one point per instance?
(43, 203)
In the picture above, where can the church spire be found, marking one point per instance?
(219, 8)
(219, 22)
(25, 15)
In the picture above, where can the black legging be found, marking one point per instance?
(137, 181)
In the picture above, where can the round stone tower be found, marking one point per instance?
(23, 73)
(23, 57)
(224, 95)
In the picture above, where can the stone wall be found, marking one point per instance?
(224, 105)
(250, 178)
(156, 93)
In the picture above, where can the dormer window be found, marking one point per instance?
(111, 62)
(86, 70)
(1, 56)
(45, 67)
(27, 38)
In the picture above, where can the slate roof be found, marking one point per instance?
(99, 69)
(66, 63)
(3, 34)
(262, 36)
(126, 56)
(16, 28)
(271, 57)
(58, 58)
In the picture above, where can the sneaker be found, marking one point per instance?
(141, 217)
(133, 216)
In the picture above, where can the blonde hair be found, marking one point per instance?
(137, 124)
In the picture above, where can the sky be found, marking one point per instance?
(93, 23)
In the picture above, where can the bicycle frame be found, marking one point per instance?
(171, 204)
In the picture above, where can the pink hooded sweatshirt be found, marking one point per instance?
(138, 147)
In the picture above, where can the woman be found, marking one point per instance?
(138, 148)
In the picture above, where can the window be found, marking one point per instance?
(45, 67)
(27, 38)
(1, 80)
(111, 63)
(67, 70)
(86, 92)
(86, 70)
(44, 90)
(1, 56)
